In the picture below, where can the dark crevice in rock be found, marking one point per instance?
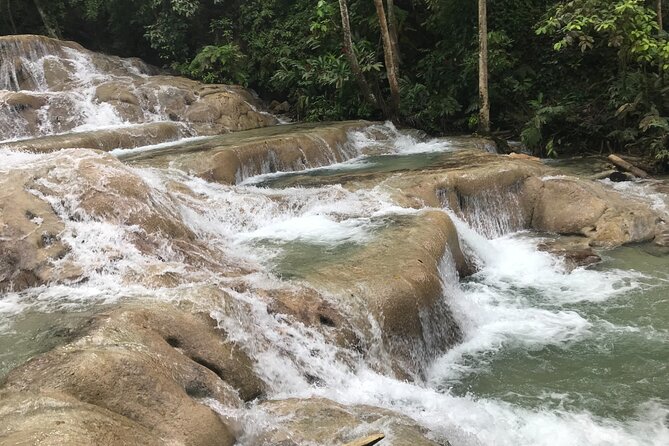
(209, 365)
(173, 341)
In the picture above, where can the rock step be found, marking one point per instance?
(106, 140)
(234, 157)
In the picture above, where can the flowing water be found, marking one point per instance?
(548, 356)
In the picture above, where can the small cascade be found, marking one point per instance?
(490, 212)
(49, 87)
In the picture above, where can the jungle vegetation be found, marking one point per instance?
(564, 76)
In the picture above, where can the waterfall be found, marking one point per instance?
(519, 353)
(492, 212)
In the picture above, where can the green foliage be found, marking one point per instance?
(536, 133)
(590, 75)
(219, 64)
(627, 25)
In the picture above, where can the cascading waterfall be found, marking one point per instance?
(538, 346)
(48, 88)
(520, 300)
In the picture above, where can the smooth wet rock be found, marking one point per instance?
(106, 140)
(320, 421)
(397, 278)
(574, 206)
(575, 251)
(147, 365)
(29, 236)
(44, 199)
(516, 194)
(230, 159)
(53, 418)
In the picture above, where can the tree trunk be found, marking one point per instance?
(392, 27)
(51, 31)
(659, 14)
(353, 60)
(484, 101)
(11, 16)
(391, 68)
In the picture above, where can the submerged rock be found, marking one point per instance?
(320, 421)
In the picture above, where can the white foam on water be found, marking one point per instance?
(323, 215)
(10, 159)
(643, 191)
(288, 353)
(394, 141)
(514, 262)
(517, 298)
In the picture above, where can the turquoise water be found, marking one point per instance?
(619, 365)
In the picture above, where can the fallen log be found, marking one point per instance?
(628, 167)
(367, 441)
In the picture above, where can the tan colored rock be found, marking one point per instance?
(87, 185)
(56, 419)
(115, 91)
(523, 156)
(575, 251)
(323, 422)
(29, 236)
(396, 277)
(137, 92)
(149, 366)
(231, 158)
(107, 140)
(574, 206)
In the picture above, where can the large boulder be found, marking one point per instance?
(575, 206)
(397, 278)
(145, 366)
(499, 194)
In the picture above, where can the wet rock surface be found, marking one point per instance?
(575, 251)
(321, 421)
(139, 371)
(144, 372)
(106, 140)
(572, 206)
(232, 158)
(400, 284)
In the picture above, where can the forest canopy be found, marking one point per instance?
(565, 76)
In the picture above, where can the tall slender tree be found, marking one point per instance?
(374, 100)
(50, 29)
(392, 27)
(391, 69)
(484, 100)
(659, 14)
(10, 16)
